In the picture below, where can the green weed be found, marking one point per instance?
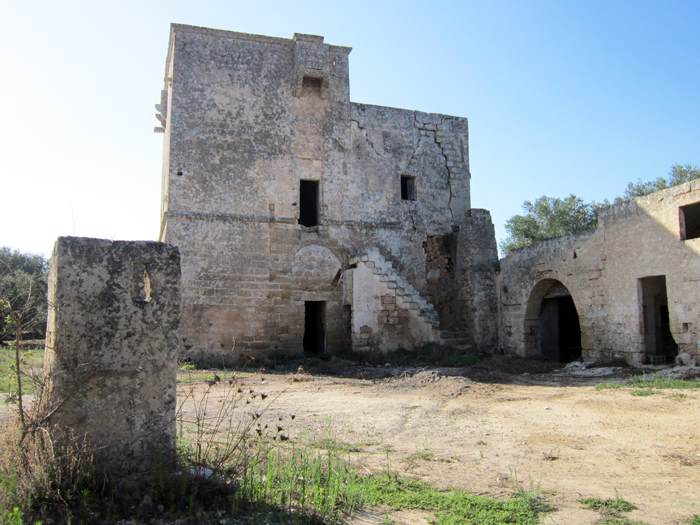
(423, 455)
(646, 382)
(12, 517)
(618, 520)
(608, 507)
(451, 506)
(643, 392)
(679, 396)
(325, 486)
(335, 445)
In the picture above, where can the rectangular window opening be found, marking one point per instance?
(311, 86)
(308, 203)
(408, 188)
(690, 221)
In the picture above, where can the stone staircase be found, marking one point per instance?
(407, 296)
(410, 299)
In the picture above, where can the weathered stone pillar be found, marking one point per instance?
(477, 266)
(111, 349)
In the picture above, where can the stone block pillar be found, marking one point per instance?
(111, 348)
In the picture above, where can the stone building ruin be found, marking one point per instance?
(628, 290)
(309, 222)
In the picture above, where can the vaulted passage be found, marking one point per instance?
(551, 325)
(658, 340)
(314, 327)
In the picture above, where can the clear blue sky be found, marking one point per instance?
(561, 97)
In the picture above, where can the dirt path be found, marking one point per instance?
(492, 436)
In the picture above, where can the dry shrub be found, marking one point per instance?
(223, 426)
(39, 476)
(219, 438)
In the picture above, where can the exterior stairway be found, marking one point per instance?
(407, 296)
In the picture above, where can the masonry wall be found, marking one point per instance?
(601, 270)
(112, 347)
(243, 130)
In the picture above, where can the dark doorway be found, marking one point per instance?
(314, 327)
(559, 329)
(658, 340)
(308, 203)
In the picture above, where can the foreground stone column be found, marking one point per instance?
(111, 349)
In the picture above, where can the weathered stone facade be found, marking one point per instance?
(260, 135)
(112, 346)
(634, 282)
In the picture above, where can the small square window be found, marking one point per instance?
(311, 86)
(689, 217)
(408, 188)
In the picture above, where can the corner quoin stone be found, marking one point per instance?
(111, 348)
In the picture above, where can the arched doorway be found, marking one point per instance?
(552, 329)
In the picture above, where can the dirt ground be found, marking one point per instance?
(492, 428)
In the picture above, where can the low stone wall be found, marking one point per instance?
(112, 346)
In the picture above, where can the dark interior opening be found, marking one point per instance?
(408, 188)
(308, 203)
(311, 86)
(559, 330)
(690, 221)
(658, 341)
(314, 327)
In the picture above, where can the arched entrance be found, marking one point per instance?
(552, 329)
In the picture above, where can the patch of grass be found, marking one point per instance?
(423, 455)
(451, 506)
(303, 482)
(643, 392)
(186, 366)
(31, 359)
(619, 520)
(678, 396)
(334, 445)
(695, 520)
(647, 382)
(325, 486)
(608, 507)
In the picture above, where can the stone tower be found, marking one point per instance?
(309, 222)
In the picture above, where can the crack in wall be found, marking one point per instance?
(449, 173)
(433, 129)
(367, 139)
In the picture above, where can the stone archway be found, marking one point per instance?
(552, 328)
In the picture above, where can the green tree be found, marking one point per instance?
(550, 217)
(23, 305)
(678, 175)
(547, 218)
(23, 293)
